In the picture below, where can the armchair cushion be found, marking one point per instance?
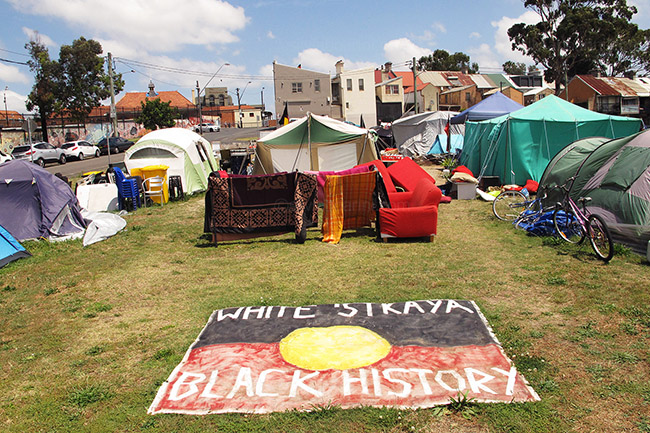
(418, 218)
(406, 173)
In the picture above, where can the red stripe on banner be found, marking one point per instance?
(255, 378)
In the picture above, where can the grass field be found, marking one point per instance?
(87, 335)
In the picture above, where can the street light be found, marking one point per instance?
(241, 125)
(198, 95)
(6, 111)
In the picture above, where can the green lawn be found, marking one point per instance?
(87, 335)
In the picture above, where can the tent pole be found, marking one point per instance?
(311, 166)
(363, 148)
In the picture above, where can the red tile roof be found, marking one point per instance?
(132, 100)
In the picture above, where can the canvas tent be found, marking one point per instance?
(10, 249)
(493, 106)
(415, 135)
(616, 175)
(314, 143)
(455, 143)
(185, 152)
(35, 203)
(518, 146)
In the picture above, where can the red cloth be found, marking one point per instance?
(462, 169)
(532, 186)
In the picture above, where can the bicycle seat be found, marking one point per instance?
(584, 199)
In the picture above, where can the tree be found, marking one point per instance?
(157, 114)
(512, 68)
(84, 84)
(573, 34)
(441, 60)
(46, 77)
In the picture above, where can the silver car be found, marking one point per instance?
(40, 153)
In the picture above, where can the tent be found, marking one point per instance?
(414, 135)
(440, 144)
(36, 203)
(518, 146)
(10, 249)
(185, 152)
(493, 106)
(616, 175)
(314, 143)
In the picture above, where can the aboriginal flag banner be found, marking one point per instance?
(412, 354)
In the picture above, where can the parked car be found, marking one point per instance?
(4, 157)
(79, 149)
(40, 153)
(118, 144)
(207, 127)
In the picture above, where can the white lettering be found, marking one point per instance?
(369, 309)
(298, 382)
(244, 379)
(249, 310)
(451, 304)
(376, 383)
(347, 380)
(299, 310)
(198, 377)
(353, 311)
(422, 374)
(412, 304)
(435, 305)
(281, 312)
(221, 314)
(477, 385)
(406, 387)
(386, 308)
(459, 380)
(268, 312)
(207, 391)
(512, 376)
(259, 388)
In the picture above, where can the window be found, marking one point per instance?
(251, 114)
(296, 87)
(392, 89)
(349, 83)
(316, 85)
(468, 96)
(361, 84)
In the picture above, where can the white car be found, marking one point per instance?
(207, 127)
(40, 153)
(4, 157)
(79, 149)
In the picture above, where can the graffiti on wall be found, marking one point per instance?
(93, 132)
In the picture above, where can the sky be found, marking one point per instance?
(176, 44)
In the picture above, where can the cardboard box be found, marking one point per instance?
(465, 190)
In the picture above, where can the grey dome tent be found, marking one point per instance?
(416, 134)
(36, 203)
(616, 175)
(493, 106)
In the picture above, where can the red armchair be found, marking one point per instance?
(418, 217)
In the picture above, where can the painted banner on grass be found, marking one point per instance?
(407, 354)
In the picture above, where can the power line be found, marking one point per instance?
(13, 61)
(14, 52)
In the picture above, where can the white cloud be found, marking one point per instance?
(34, 35)
(440, 27)
(11, 74)
(316, 60)
(402, 50)
(15, 101)
(475, 35)
(485, 57)
(138, 23)
(502, 44)
(270, 35)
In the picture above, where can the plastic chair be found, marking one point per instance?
(127, 189)
(153, 187)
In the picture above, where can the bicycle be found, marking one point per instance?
(510, 204)
(573, 224)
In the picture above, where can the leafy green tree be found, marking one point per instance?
(156, 114)
(84, 84)
(43, 96)
(441, 60)
(575, 34)
(514, 68)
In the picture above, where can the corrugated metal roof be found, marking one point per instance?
(482, 82)
(435, 78)
(458, 89)
(457, 78)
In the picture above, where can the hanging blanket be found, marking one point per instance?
(348, 204)
(251, 206)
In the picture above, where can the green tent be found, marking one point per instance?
(316, 143)
(518, 146)
(616, 175)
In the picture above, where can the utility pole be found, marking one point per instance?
(113, 112)
(198, 99)
(6, 111)
(239, 111)
(415, 87)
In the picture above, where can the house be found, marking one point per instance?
(302, 91)
(353, 97)
(132, 100)
(389, 94)
(608, 95)
(214, 97)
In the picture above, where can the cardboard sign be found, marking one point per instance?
(274, 358)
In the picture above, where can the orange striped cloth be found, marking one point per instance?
(348, 204)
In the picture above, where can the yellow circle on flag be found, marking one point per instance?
(334, 347)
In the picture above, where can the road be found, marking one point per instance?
(75, 168)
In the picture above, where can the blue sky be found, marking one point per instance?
(175, 43)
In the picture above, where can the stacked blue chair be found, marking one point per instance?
(127, 190)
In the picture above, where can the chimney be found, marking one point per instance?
(339, 67)
(152, 92)
(388, 67)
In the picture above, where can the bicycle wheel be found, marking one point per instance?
(599, 237)
(567, 226)
(508, 205)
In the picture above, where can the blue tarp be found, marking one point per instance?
(10, 249)
(493, 106)
(440, 144)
